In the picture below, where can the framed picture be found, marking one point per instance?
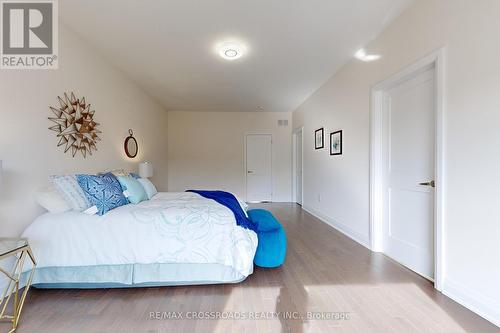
(336, 143)
(319, 140)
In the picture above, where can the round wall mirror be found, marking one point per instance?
(131, 147)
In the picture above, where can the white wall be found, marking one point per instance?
(28, 149)
(206, 150)
(469, 30)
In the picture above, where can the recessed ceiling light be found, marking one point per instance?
(361, 55)
(230, 53)
(231, 50)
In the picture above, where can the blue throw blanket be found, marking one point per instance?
(230, 201)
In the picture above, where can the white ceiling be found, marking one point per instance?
(167, 47)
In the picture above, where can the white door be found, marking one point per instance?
(259, 167)
(410, 167)
(298, 164)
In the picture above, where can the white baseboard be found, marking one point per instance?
(343, 228)
(484, 306)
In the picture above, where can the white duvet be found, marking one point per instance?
(169, 228)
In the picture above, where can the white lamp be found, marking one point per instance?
(145, 170)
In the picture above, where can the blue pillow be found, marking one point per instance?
(103, 191)
(134, 175)
(136, 192)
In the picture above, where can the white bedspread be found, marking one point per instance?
(169, 228)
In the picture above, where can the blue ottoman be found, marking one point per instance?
(271, 250)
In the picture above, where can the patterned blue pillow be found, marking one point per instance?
(103, 191)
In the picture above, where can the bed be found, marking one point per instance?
(172, 239)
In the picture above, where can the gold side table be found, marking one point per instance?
(17, 249)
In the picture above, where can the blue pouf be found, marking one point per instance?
(271, 250)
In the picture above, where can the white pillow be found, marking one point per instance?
(51, 200)
(67, 186)
(148, 187)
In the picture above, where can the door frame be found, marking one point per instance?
(294, 164)
(245, 166)
(434, 60)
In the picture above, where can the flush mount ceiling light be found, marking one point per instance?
(361, 55)
(231, 50)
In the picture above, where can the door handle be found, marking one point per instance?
(249, 171)
(431, 184)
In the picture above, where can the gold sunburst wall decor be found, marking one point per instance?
(75, 125)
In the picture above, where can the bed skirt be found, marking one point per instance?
(133, 276)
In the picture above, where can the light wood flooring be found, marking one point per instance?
(325, 272)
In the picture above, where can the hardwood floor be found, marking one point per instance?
(324, 272)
